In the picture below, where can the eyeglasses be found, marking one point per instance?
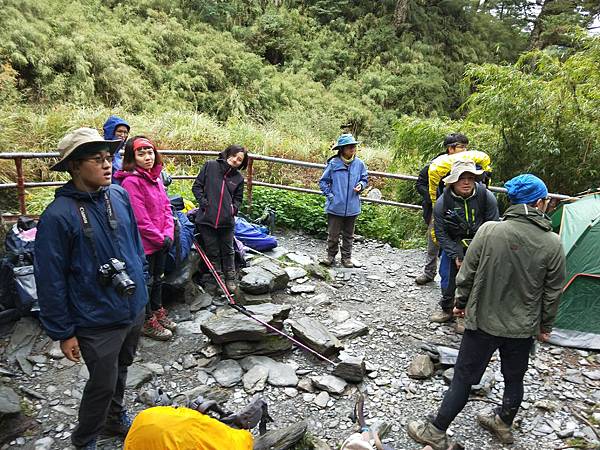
(459, 145)
(99, 160)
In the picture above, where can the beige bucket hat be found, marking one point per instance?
(81, 141)
(460, 167)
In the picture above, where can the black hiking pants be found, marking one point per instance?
(476, 349)
(107, 353)
(156, 270)
(218, 246)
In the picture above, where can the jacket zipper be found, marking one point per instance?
(221, 198)
(347, 189)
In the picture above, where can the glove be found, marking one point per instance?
(167, 243)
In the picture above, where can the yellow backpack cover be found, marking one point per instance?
(168, 428)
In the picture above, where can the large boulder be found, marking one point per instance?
(313, 334)
(233, 326)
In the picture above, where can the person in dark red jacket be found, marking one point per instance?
(219, 191)
(140, 177)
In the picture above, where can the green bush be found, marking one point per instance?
(298, 211)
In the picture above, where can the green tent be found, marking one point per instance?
(578, 320)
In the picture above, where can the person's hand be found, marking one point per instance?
(458, 263)
(543, 337)
(358, 187)
(458, 312)
(167, 243)
(70, 348)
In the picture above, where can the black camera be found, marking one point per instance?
(114, 273)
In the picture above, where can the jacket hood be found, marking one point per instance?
(69, 190)
(111, 124)
(150, 175)
(524, 212)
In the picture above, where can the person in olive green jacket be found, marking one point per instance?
(508, 290)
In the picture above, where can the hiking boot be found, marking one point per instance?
(89, 446)
(459, 325)
(441, 316)
(495, 425)
(426, 433)
(230, 282)
(117, 425)
(154, 330)
(423, 279)
(327, 260)
(348, 263)
(161, 316)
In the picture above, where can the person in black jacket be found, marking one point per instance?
(454, 143)
(91, 275)
(464, 206)
(219, 191)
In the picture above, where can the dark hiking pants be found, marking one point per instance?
(107, 353)
(218, 246)
(156, 271)
(337, 225)
(476, 349)
(431, 260)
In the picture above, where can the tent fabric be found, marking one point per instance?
(169, 428)
(577, 323)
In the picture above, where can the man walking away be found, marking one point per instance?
(508, 289)
(454, 143)
(90, 276)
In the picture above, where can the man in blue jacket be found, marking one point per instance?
(344, 178)
(90, 275)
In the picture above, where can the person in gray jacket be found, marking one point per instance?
(463, 207)
(508, 290)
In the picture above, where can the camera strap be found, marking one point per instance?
(88, 230)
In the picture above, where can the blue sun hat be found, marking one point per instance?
(343, 140)
(525, 188)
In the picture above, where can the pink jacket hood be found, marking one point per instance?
(150, 204)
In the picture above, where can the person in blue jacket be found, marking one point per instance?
(118, 129)
(90, 273)
(344, 178)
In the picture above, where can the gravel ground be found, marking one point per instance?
(561, 392)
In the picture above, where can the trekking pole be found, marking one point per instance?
(251, 250)
(231, 302)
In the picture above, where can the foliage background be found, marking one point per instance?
(281, 76)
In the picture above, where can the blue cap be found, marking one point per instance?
(525, 188)
(345, 139)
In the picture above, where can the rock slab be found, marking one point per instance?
(314, 334)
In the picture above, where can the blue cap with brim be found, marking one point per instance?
(343, 140)
(525, 188)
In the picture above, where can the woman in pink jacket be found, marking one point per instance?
(140, 177)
